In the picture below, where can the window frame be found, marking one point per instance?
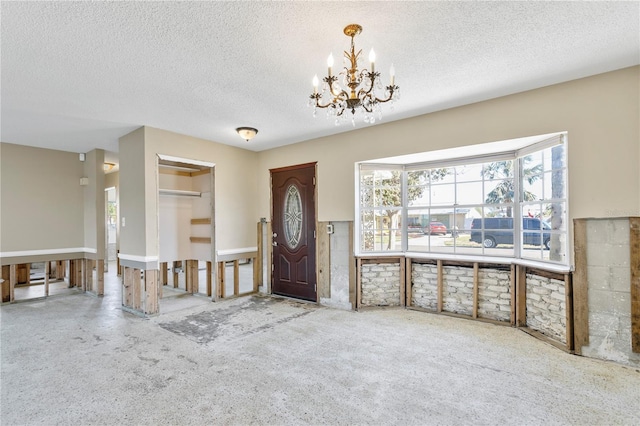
(517, 154)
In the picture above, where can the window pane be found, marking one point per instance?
(390, 196)
(469, 193)
(444, 175)
(554, 158)
(532, 164)
(418, 188)
(469, 173)
(553, 215)
(366, 197)
(461, 232)
(443, 194)
(533, 189)
(554, 184)
(497, 170)
(418, 242)
(498, 191)
(418, 177)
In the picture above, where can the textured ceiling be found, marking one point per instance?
(78, 75)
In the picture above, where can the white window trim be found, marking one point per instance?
(525, 146)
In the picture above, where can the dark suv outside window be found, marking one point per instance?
(499, 230)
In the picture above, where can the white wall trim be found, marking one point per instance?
(135, 258)
(46, 252)
(236, 251)
(186, 160)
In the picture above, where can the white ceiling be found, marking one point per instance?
(78, 75)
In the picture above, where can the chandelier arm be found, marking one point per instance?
(330, 79)
(364, 106)
(391, 90)
(371, 76)
(318, 104)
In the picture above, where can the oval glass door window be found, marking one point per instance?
(292, 217)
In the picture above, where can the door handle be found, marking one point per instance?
(274, 243)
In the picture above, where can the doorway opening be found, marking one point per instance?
(186, 228)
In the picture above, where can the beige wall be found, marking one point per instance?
(94, 203)
(235, 186)
(600, 113)
(132, 200)
(41, 199)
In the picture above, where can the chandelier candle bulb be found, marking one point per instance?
(372, 59)
(392, 74)
(330, 64)
(315, 84)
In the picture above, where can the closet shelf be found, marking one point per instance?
(201, 221)
(179, 193)
(203, 240)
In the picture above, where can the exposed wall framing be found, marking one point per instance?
(495, 293)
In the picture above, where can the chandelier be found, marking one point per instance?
(358, 90)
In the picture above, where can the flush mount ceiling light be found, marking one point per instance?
(357, 89)
(247, 133)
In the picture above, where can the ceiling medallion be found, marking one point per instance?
(357, 89)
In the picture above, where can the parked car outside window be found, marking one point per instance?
(435, 228)
(500, 231)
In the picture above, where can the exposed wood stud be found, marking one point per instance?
(408, 279)
(440, 285)
(194, 284)
(403, 281)
(257, 263)
(187, 276)
(136, 284)
(580, 287)
(87, 275)
(512, 288)
(23, 273)
(476, 285)
(5, 283)
(164, 274)
(323, 244)
(222, 280)
(521, 296)
(236, 277)
(358, 283)
(176, 276)
(352, 268)
(13, 278)
(127, 283)
(634, 243)
(151, 305)
(60, 269)
(568, 287)
(100, 277)
(209, 280)
(79, 271)
(47, 271)
(269, 265)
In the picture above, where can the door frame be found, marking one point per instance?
(167, 159)
(313, 164)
